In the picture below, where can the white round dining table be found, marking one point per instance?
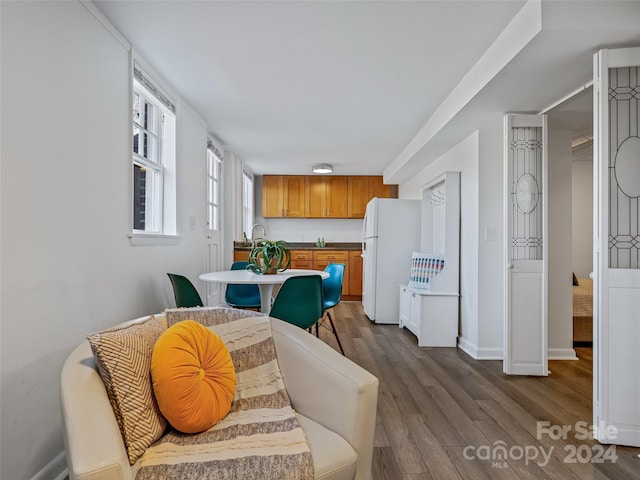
(265, 282)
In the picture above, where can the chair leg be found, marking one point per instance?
(318, 323)
(335, 332)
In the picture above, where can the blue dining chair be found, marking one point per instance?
(242, 295)
(332, 292)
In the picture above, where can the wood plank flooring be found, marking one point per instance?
(444, 415)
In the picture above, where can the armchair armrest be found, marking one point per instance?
(329, 388)
(94, 446)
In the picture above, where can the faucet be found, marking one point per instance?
(258, 226)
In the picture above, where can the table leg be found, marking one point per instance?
(266, 289)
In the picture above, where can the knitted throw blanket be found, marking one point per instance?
(260, 437)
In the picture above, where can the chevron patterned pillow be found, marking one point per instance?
(123, 360)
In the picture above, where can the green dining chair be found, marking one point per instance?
(184, 291)
(299, 301)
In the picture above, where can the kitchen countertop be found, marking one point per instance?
(310, 246)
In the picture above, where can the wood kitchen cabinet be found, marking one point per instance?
(318, 259)
(378, 189)
(361, 189)
(336, 197)
(272, 196)
(325, 197)
(299, 258)
(322, 258)
(321, 196)
(315, 197)
(293, 201)
(302, 259)
(283, 196)
(358, 196)
(355, 272)
(241, 255)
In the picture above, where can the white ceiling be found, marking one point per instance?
(286, 84)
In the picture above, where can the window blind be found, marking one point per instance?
(214, 149)
(147, 83)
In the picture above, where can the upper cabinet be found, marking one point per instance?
(325, 197)
(272, 196)
(283, 196)
(358, 196)
(364, 188)
(293, 201)
(381, 190)
(321, 196)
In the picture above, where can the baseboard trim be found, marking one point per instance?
(490, 354)
(467, 347)
(562, 354)
(56, 469)
(496, 353)
(479, 353)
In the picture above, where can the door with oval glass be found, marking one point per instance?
(616, 260)
(525, 221)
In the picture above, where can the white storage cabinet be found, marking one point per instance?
(431, 317)
(431, 312)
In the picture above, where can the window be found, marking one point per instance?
(214, 168)
(154, 134)
(247, 201)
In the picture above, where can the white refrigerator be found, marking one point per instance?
(390, 234)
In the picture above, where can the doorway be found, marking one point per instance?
(571, 225)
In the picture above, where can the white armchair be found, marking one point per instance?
(335, 401)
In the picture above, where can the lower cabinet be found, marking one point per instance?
(355, 272)
(301, 259)
(319, 259)
(322, 258)
(241, 255)
(432, 318)
(408, 311)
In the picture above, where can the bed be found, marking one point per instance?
(583, 310)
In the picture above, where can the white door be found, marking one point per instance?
(616, 307)
(214, 221)
(525, 187)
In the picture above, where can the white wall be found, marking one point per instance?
(582, 219)
(306, 229)
(67, 265)
(463, 158)
(560, 313)
(491, 252)
(309, 229)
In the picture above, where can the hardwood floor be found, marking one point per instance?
(444, 415)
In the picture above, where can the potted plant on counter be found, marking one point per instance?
(268, 256)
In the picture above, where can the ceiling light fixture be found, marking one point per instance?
(322, 168)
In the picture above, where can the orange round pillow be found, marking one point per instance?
(194, 379)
